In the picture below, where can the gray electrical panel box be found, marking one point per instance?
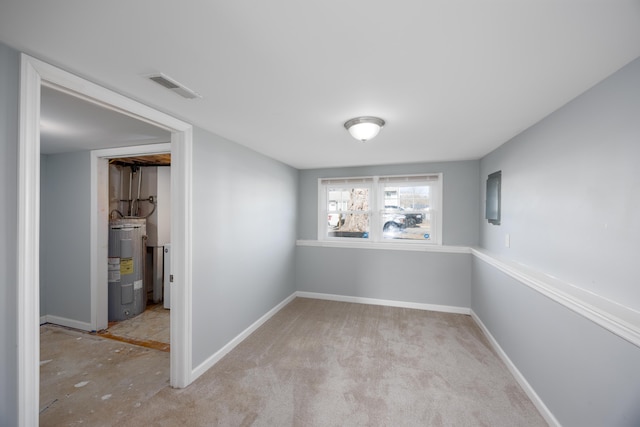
(494, 194)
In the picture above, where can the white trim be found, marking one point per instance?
(35, 73)
(322, 211)
(181, 258)
(69, 323)
(388, 303)
(440, 211)
(215, 358)
(99, 234)
(91, 92)
(29, 246)
(537, 401)
(389, 246)
(376, 205)
(616, 318)
(134, 150)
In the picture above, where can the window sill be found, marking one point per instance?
(388, 246)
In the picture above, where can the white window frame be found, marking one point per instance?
(376, 207)
(323, 213)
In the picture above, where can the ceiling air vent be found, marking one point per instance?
(174, 86)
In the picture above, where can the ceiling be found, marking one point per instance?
(144, 160)
(452, 79)
(68, 123)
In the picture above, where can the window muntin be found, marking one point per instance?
(389, 208)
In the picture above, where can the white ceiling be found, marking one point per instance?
(453, 79)
(68, 123)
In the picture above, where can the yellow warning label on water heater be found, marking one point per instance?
(126, 266)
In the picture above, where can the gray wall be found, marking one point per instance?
(584, 374)
(9, 113)
(407, 276)
(571, 203)
(244, 237)
(65, 270)
(244, 232)
(571, 191)
(460, 196)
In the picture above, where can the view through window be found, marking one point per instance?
(381, 208)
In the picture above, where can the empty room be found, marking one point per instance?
(345, 213)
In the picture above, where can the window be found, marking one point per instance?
(347, 209)
(386, 208)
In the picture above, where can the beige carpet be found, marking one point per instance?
(321, 363)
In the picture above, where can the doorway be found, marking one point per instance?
(34, 75)
(139, 214)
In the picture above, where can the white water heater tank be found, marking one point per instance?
(127, 249)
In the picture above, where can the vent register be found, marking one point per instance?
(178, 88)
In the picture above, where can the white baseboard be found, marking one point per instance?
(63, 321)
(215, 358)
(389, 303)
(537, 401)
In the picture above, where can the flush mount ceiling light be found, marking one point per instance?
(364, 128)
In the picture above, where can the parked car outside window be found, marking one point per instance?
(412, 219)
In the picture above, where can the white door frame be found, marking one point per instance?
(100, 223)
(35, 73)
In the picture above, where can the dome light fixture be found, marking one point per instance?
(364, 128)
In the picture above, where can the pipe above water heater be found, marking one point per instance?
(139, 171)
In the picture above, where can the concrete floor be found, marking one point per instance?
(149, 329)
(97, 379)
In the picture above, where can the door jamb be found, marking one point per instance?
(35, 73)
(100, 222)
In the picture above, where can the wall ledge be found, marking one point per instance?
(387, 246)
(615, 317)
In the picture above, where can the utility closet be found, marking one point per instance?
(139, 234)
